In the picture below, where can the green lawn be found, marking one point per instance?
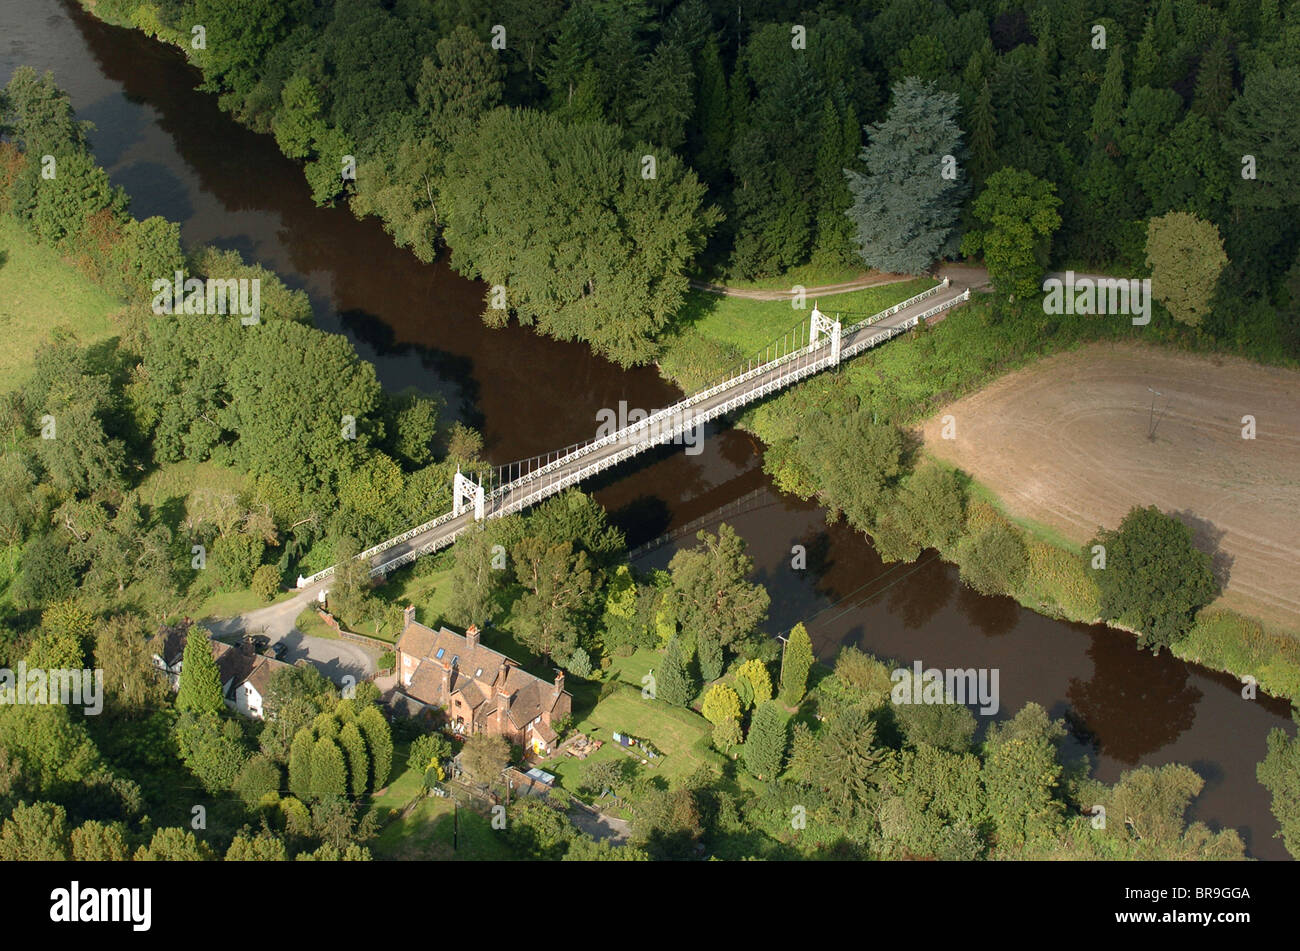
(313, 625)
(40, 294)
(438, 830)
(751, 325)
(427, 586)
(682, 736)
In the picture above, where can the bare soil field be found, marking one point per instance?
(1074, 442)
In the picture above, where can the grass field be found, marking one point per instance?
(40, 294)
(750, 325)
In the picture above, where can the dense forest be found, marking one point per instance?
(589, 157)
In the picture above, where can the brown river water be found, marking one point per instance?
(179, 156)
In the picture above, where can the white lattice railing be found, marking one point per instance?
(638, 436)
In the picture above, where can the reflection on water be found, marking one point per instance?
(179, 156)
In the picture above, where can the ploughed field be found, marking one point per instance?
(1066, 443)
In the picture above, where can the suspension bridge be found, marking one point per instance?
(813, 346)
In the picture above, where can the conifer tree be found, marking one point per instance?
(379, 742)
(906, 206)
(796, 663)
(354, 749)
(300, 764)
(764, 749)
(200, 683)
(673, 680)
(329, 774)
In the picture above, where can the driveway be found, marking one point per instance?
(335, 658)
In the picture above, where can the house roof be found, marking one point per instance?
(169, 642)
(477, 673)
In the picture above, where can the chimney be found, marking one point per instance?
(446, 681)
(408, 616)
(246, 646)
(559, 684)
(503, 699)
(471, 637)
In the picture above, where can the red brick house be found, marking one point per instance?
(479, 689)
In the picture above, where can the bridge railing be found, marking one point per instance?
(902, 305)
(804, 364)
(659, 416)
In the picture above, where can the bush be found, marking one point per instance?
(995, 560)
(1060, 582)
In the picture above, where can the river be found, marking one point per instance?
(179, 156)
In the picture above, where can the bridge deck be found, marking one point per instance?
(636, 438)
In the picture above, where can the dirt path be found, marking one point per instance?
(1066, 443)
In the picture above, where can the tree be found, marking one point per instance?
(174, 845)
(947, 726)
(236, 556)
(1155, 579)
(847, 763)
(477, 571)
(266, 582)
(354, 748)
(558, 588)
(379, 743)
(597, 776)
(673, 680)
(212, 749)
(45, 573)
(484, 756)
(259, 780)
(1018, 214)
(906, 206)
(35, 833)
(1279, 773)
(588, 250)
(304, 689)
(199, 691)
(1258, 124)
(300, 753)
(720, 704)
(1021, 776)
(714, 599)
(329, 775)
(796, 661)
(263, 847)
(1186, 257)
(426, 756)
(754, 673)
(95, 841)
(765, 746)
